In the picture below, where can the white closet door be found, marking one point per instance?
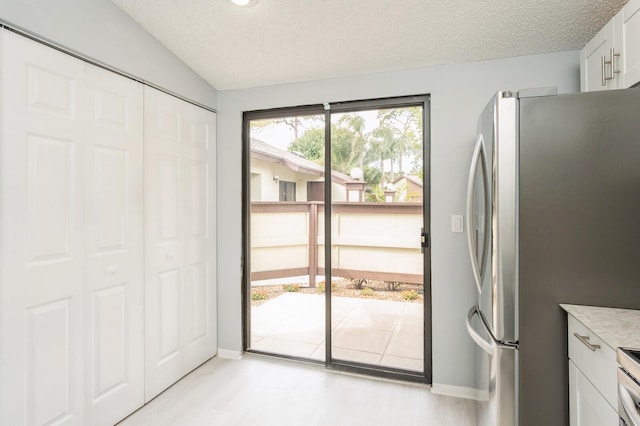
(180, 329)
(200, 330)
(71, 256)
(42, 248)
(114, 313)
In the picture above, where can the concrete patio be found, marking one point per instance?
(376, 332)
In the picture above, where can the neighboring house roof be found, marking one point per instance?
(413, 179)
(263, 151)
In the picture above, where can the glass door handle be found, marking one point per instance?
(424, 240)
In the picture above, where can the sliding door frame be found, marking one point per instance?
(247, 117)
(328, 109)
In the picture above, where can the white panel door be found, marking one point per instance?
(200, 330)
(42, 252)
(71, 264)
(114, 301)
(180, 329)
(627, 24)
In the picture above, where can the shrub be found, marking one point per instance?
(358, 282)
(392, 285)
(291, 288)
(367, 292)
(321, 287)
(410, 295)
(259, 295)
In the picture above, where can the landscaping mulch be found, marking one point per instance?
(370, 289)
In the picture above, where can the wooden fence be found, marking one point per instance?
(378, 241)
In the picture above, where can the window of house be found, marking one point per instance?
(287, 191)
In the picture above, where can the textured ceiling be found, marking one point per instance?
(281, 41)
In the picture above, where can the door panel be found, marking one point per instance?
(42, 260)
(627, 26)
(114, 304)
(71, 336)
(200, 334)
(376, 226)
(110, 343)
(179, 223)
(49, 382)
(591, 56)
(50, 184)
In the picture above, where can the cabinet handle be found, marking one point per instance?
(585, 340)
(610, 62)
(612, 55)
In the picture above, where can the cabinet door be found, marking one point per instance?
(591, 69)
(627, 26)
(42, 244)
(180, 329)
(586, 406)
(114, 303)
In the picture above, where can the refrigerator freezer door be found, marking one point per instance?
(495, 374)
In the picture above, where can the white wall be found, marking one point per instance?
(458, 94)
(98, 29)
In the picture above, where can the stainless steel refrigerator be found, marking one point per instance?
(553, 216)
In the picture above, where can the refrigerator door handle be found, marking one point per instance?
(487, 345)
(479, 155)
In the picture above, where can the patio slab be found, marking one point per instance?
(369, 331)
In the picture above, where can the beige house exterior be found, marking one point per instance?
(279, 175)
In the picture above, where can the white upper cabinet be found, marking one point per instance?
(611, 60)
(594, 72)
(627, 36)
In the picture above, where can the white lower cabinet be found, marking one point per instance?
(592, 378)
(587, 406)
(72, 265)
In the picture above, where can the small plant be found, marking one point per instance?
(321, 287)
(291, 288)
(410, 295)
(358, 283)
(259, 295)
(367, 292)
(392, 285)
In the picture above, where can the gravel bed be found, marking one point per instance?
(370, 289)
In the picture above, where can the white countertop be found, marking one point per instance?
(616, 327)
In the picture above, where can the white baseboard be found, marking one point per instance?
(229, 354)
(460, 392)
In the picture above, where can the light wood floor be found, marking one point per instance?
(263, 391)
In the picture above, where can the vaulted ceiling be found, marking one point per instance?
(282, 41)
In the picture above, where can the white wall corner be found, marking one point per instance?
(229, 354)
(460, 392)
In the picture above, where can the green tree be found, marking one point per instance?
(297, 123)
(405, 125)
(310, 144)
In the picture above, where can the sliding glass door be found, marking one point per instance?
(347, 288)
(286, 177)
(377, 216)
